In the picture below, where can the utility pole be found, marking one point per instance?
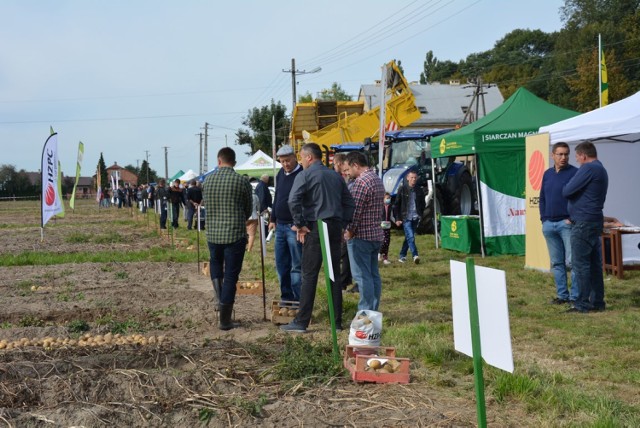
(138, 164)
(476, 98)
(147, 152)
(166, 162)
(201, 171)
(293, 72)
(225, 141)
(206, 149)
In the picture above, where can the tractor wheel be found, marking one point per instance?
(426, 224)
(462, 198)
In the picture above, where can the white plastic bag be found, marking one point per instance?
(366, 328)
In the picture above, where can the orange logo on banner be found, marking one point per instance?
(536, 169)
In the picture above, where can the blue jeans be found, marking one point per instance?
(558, 237)
(288, 252)
(191, 212)
(363, 256)
(586, 258)
(409, 242)
(225, 262)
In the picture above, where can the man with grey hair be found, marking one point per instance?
(287, 250)
(318, 193)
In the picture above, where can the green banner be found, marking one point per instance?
(80, 155)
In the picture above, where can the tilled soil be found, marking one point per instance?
(196, 375)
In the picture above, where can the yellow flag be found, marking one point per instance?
(604, 82)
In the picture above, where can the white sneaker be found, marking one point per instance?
(416, 259)
(402, 259)
(386, 262)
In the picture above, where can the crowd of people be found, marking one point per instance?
(351, 201)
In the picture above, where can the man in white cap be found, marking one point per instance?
(288, 250)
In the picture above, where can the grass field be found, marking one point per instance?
(570, 369)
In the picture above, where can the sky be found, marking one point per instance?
(130, 77)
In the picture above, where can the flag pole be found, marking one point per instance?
(600, 70)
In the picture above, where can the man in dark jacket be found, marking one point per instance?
(177, 198)
(407, 210)
(162, 197)
(194, 199)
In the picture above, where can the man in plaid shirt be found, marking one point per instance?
(364, 234)
(228, 199)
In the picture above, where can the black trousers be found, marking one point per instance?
(311, 264)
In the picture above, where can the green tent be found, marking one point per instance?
(498, 141)
(258, 164)
(176, 175)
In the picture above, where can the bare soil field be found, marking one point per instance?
(137, 344)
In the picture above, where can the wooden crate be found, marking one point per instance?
(278, 319)
(253, 288)
(357, 359)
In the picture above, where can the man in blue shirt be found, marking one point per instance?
(556, 226)
(586, 192)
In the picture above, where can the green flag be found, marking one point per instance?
(73, 194)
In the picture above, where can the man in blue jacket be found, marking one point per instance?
(586, 192)
(556, 226)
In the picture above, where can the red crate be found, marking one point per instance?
(356, 360)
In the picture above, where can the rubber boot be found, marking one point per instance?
(225, 317)
(217, 291)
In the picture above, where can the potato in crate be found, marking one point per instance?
(283, 312)
(254, 287)
(376, 364)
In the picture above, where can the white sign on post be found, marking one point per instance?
(325, 233)
(493, 313)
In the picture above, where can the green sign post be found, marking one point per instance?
(326, 259)
(475, 343)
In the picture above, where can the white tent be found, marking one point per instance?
(187, 176)
(259, 163)
(612, 129)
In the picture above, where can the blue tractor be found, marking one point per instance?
(409, 150)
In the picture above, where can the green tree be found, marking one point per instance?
(585, 82)
(147, 174)
(258, 120)
(305, 98)
(133, 170)
(519, 59)
(334, 93)
(437, 71)
(617, 22)
(15, 183)
(102, 167)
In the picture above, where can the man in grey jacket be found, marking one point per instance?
(318, 193)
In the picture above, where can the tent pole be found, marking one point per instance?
(435, 203)
(477, 174)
